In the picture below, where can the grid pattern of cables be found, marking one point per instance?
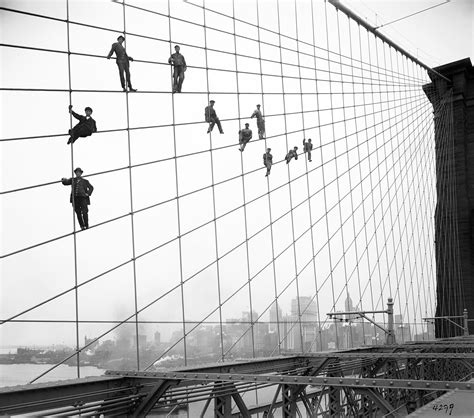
(188, 238)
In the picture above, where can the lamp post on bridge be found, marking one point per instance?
(389, 331)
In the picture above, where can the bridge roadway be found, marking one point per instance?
(390, 380)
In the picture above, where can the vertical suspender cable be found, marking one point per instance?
(354, 231)
(331, 267)
(213, 193)
(178, 212)
(343, 84)
(310, 214)
(76, 292)
(289, 184)
(132, 224)
(275, 289)
(247, 255)
(307, 179)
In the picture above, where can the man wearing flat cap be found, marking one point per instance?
(85, 127)
(268, 161)
(211, 117)
(81, 189)
(245, 135)
(260, 122)
(123, 62)
(179, 67)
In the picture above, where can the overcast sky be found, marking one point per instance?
(191, 267)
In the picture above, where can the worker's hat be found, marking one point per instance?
(78, 169)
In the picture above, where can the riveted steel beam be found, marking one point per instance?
(319, 381)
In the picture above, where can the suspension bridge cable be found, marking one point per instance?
(394, 131)
(130, 317)
(173, 239)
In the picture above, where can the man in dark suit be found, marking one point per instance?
(268, 161)
(85, 127)
(123, 62)
(211, 117)
(81, 189)
(308, 146)
(179, 67)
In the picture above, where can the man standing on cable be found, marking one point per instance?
(260, 122)
(292, 153)
(179, 67)
(307, 147)
(81, 189)
(123, 63)
(268, 161)
(211, 117)
(245, 135)
(85, 127)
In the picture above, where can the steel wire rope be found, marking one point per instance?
(315, 271)
(216, 241)
(270, 214)
(401, 234)
(266, 29)
(56, 90)
(122, 264)
(62, 293)
(310, 261)
(289, 184)
(409, 266)
(369, 168)
(310, 215)
(73, 199)
(376, 264)
(337, 168)
(428, 245)
(251, 325)
(132, 212)
(170, 125)
(244, 196)
(393, 171)
(356, 249)
(158, 203)
(178, 208)
(137, 35)
(431, 245)
(418, 188)
(362, 255)
(142, 36)
(229, 33)
(387, 277)
(397, 283)
(403, 269)
(412, 269)
(328, 242)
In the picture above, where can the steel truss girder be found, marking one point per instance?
(198, 378)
